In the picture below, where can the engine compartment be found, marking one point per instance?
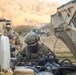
(48, 66)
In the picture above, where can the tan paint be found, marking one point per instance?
(9, 72)
(63, 21)
(23, 72)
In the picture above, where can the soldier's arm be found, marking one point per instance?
(18, 38)
(48, 52)
(21, 56)
(18, 42)
(22, 52)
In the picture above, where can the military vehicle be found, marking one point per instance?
(64, 22)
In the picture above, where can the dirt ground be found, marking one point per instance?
(52, 44)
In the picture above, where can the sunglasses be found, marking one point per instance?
(8, 24)
(32, 44)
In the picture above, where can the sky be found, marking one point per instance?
(59, 1)
(62, 1)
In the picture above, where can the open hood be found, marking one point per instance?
(64, 23)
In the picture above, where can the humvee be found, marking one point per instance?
(64, 23)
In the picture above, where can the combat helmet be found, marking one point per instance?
(7, 24)
(31, 38)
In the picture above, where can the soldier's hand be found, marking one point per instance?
(20, 57)
(18, 47)
(43, 58)
(12, 49)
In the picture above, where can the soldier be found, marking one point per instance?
(15, 41)
(34, 49)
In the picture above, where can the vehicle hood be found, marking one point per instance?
(64, 23)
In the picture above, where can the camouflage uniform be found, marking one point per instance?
(42, 50)
(15, 41)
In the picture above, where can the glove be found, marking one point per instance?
(20, 57)
(42, 60)
(12, 49)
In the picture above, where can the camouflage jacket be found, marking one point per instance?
(42, 51)
(14, 38)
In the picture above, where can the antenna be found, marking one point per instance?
(1, 21)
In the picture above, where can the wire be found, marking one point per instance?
(56, 42)
(59, 35)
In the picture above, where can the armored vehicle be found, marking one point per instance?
(64, 22)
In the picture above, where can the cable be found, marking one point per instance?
(59, 35)
(56, 42)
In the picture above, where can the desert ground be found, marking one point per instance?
(50, 42)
